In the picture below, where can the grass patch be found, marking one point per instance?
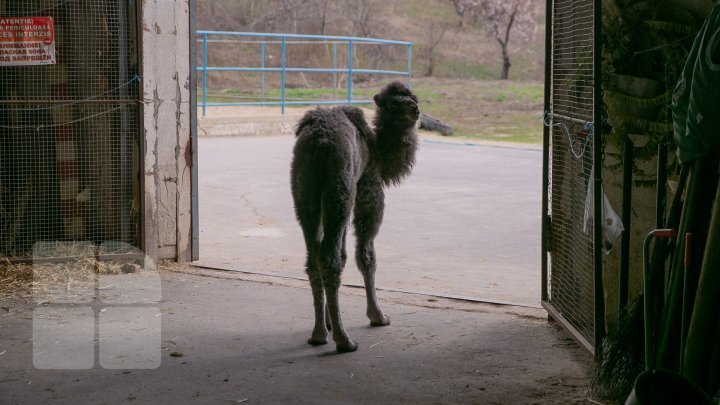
(531, 91)
(295, 94)
(463, 69)
(505, 111)
(521, 128)
(500, 97)
(491, 110)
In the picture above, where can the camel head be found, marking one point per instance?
(397, 104)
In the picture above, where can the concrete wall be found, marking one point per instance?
(168, 152)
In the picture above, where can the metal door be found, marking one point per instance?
(571, 262)
(70, 125)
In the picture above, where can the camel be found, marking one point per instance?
(341, 165)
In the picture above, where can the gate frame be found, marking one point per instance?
(194, 201)
(598, 298)
(142, 147)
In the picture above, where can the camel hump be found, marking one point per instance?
(324, 118)
(357, 117)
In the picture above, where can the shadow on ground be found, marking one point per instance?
(241, 339)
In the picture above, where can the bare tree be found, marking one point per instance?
(323, 25)
(291, 16)
(431, 38)
(504, 17)
(290, 13)
(465, 8)
(364, 16)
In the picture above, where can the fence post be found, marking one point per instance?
(262, 74)
(350, 67)
(204, 79)
(336, 69)
(334, 72)
(282, 78)
(409, 68)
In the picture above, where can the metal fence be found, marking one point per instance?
(269, 54)
(69, 124)
(572, 262)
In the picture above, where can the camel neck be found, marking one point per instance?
(394, 151)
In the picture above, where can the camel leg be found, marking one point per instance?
(343, 343)
(343, 256)
(369, 207)
(320, 331)
(366, 263)
(328, 323)
(311, 225)
(330, 261)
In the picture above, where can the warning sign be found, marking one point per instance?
(27, 41)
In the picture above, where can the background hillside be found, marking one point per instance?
(455, 65)
(463, 52)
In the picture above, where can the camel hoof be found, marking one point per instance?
(347, 348)
(317, 341)
(384, 322)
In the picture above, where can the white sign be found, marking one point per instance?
(27, 41)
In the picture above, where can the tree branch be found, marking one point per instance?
(510, 24)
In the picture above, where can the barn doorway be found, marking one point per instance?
(466, 224)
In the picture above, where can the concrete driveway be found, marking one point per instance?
(465, 224)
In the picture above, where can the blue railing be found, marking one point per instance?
(262, 39)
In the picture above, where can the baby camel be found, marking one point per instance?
(340, 165)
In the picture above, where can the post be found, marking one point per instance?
(350, 66)
(282, 77)
(409, 66)
(626, 217)
(661, 196)
(204, 79)
(547, 133)
(194, 202)
(599, 323)
(262, 73)
(334, 73)
(126, 223)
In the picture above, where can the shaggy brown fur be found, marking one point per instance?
(340, 165)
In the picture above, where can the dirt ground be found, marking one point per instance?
(229, 337)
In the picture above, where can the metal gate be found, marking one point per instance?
(571, 262)
(69, 124)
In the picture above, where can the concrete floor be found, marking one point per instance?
(465, 223)
(231, 338)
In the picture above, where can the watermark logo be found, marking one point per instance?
(97, 306)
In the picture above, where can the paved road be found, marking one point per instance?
(466, 223)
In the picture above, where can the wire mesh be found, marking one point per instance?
(571, 271)
(69, 131)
